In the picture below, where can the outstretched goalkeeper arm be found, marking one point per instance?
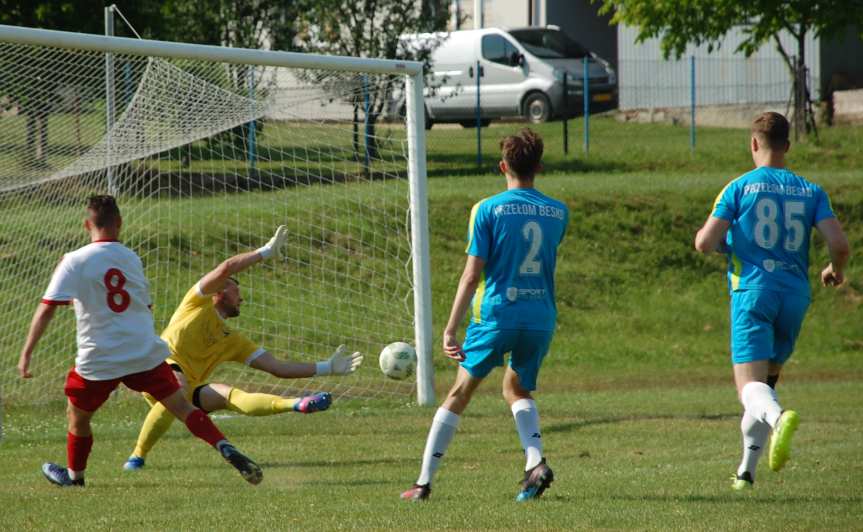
(216, 280)
(340, 363)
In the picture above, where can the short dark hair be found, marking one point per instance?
(522, 153)
(103, 211)
(771, 129)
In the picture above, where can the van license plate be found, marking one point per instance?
(601, 97)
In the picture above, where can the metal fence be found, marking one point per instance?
(691, 92)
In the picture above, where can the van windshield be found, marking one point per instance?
(549, 44)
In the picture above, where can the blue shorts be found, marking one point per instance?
(765, 324)
(484, 349)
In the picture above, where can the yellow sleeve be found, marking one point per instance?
(238, 348)
(192, 300)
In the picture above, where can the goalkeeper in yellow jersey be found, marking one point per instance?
(199, 340)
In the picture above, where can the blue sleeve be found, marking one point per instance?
(479, 232)
(565, 223)
(823, 207)
(725, 206)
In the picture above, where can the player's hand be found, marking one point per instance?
(451, 347)
(343, 363)
(830, 277)
(274, 246)
(24, 367)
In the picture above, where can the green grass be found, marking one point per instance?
(625, 456)
(640, 418)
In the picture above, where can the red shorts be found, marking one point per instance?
(89, 395)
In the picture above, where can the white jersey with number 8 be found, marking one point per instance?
(116, 336)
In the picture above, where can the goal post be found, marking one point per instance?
(176, 150)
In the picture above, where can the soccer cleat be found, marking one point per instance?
(134, 463)
(742, 482)
(59, 475)
(250, 471)
(536, 481)
(317, 402)
(780, 441)
(418, 492)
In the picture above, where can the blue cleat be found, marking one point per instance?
(134, 463)
(317, 402)
(59, 475)
(536, 481)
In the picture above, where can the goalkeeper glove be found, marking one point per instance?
(275, 244)
(341, 363)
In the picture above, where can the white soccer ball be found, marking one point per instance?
(398, 360)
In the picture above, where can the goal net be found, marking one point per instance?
(207, 155)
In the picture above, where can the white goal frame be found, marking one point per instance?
(415, 110)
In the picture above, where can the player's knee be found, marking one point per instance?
(79, 421)
(210, 397)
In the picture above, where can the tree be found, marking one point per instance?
(82, 16)
(698, 22)
(370, 28)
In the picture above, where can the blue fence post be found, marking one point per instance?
(692, 102)
(585, 91)
(478, 118)
(252, 155)
(366, 126)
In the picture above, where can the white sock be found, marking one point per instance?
(760, 402)
(75, 475)
(755, 434)
(527, 423)
(440, 434)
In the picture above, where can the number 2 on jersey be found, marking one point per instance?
(531, 265)
(114, 282)
(767, 230)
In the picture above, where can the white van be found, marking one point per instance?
(522, 74)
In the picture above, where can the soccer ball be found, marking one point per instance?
(398, 360)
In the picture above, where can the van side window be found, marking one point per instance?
(497, 49)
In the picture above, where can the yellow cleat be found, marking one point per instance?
(742, 482)
(780, 442)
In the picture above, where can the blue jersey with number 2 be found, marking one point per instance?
(516, 233)
(772, 212)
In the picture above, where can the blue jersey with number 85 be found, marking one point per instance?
(772, 212)
(516, 233)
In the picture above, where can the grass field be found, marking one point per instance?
(641, 423)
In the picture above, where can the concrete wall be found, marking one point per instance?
(581, 21)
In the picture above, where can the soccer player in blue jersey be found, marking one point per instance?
(508, 281)
(762, 221)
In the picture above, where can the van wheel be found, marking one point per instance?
(467, 124)
(537, 108)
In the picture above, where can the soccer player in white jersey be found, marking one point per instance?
(116, 343)
(763, 220)
(512, 246)
(200, 340)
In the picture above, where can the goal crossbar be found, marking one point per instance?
(205, 52)
(415, 116)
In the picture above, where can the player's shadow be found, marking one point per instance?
(347, 483)
(331, 463)
(734, 499)
(572, 426)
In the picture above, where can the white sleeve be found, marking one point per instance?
(63, 287)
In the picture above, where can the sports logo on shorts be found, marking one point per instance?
(769, 265)
(512, 293)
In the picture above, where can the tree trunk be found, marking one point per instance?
(800, 85)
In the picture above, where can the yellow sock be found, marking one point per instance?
(258, 404)
(158, 422)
